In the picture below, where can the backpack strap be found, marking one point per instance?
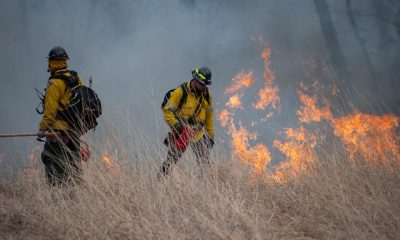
(71, 81)
(184, 96)
(197, 110)
(182, 101)
(206, 96)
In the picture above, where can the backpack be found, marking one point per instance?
(84, 106)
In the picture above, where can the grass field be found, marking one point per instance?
(332, 199)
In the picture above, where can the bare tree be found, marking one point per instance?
(361, 41)
(397, 21)
(332, 42)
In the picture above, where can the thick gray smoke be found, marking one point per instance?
(137, 50)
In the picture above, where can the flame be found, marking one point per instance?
(241, 80)
(298, 149)
(309, 112)
(257, 157)
(107, 160)
(235, 102)
(224, 117)
(31, 172)
(369, 136)
(268, 95)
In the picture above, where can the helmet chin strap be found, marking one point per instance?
(193, 88)
(196, 91)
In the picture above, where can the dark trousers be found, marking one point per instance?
(61, 159)
(200, 149)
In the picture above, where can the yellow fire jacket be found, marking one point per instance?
(204, 116)
(56, 99)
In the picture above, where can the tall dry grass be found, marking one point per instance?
(333, 199)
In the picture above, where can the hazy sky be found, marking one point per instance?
(137, 50)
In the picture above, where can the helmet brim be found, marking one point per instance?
(57, 58)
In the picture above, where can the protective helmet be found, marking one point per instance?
(58, 53)
(203, 75)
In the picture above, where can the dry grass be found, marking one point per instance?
(334, 199)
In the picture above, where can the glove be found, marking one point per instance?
(41, 133)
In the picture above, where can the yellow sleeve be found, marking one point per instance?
(53, 95)
(210, 119)
(172, 106)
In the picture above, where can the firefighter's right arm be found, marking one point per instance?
(51, 106)
(172, 106)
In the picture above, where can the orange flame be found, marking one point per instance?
(224, 116)
(298, 149)
(107, 160)
(32, 171)
(257, 157)
(268, 95)
(369, 136)
(309, 112)
(241, 80)
(235, 102)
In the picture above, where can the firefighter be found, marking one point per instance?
(61, 154)
(189, 113)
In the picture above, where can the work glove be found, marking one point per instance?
(41, 133)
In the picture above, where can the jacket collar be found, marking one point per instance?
(61, 70)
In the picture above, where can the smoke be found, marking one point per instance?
(137, 50)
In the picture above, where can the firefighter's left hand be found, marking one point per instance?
(41, 133)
